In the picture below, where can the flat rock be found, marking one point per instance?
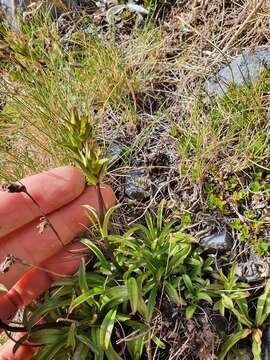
(137, 185)
(255, 269)
(114, 152)
(217, 242)
(245, 68)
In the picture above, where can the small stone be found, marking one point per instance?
(253, 270)
(245, 68)
(218, 242)
(114, 152)
(137, 186)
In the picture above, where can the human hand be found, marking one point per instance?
(60, 192)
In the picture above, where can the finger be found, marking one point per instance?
(23, 353)
(35, 281)
(33, 248)
(51, 189)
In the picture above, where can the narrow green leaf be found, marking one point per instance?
(81, 352)
(266, 311)
(82, 278)
(257, 344)
(150, 226)
(112, 354)
(50, 351)
(133, 292)
(85, 297)
(53, 304)
(93, 214)
(122, 317)
(173, 294)
(242, 318)
(190, 310)
(227, 302)
(104, 263)
(117, 291)
(243, 306)
(136, 347)
(71, 339)
(261, 308)
(106, 328)
(91, 345)
(95, 280)
(151, 303)
(142, 308)
(95, 339)
(231, 341)
(160, 216)
(204, 296)
(160, 344)
(48, 336)
(188, 283)
(107, 220)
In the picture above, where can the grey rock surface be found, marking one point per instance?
(255, 269)
(245, 68)
(114, 152)
(137, 185)
(219, 241)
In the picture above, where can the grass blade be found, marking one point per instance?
(103, 261)
(133, 292)
(231, 341)
(106, 329)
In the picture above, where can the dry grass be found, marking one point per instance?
(53, 72)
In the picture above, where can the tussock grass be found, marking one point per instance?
(50, 70)
(48, 76)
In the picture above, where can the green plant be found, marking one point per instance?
(252, 327)
(80, 140)
(232, 294)
(91, 312)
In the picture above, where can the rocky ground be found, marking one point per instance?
(165, 148)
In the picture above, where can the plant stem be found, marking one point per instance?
(43, 214)
(108, 247)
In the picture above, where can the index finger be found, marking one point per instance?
(51, 190)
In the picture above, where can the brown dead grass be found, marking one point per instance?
(166, 76)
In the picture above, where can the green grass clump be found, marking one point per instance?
(49, 77)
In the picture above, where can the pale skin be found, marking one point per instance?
(60, 192)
